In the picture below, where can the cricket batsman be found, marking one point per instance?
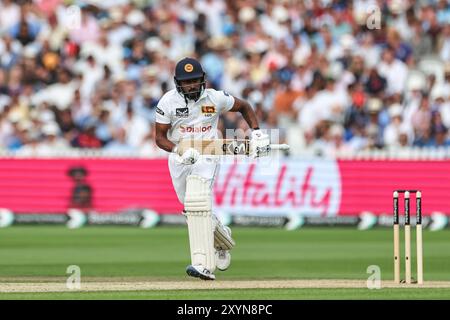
(192, 111)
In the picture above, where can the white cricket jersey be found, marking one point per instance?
(196, 120)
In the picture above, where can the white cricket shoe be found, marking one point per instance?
(200, 272)
(223, 257)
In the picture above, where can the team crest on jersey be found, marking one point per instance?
(208, 111)
(182, 112)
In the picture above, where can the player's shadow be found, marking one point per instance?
(81, 193)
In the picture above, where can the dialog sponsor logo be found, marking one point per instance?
(184, 129)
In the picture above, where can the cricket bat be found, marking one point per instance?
(222, 146)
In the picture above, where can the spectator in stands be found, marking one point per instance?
(375, 84)
(285, 97)
(402, 51)
(421, 41)
(119, 143)
(86, 138)
(336, 145)
(443, 42)
(149, 147)
(374, 129)
(25, 31)
(3, 87)
(396, 128)
(421, 123)
(9, 53)
(394, 70)
(89, 29)
(439, 132)
(104, 128)
(9, 15)
(51, 141)
(302, 63)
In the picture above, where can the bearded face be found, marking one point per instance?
(192, 88)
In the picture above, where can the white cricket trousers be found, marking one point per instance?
(205, 167)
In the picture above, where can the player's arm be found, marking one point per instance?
(161, 137)
(247, 112)
(189, 156)
(259, 142)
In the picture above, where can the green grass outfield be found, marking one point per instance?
(40, 254)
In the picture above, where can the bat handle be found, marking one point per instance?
(279, 146)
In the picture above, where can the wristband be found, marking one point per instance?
(257, 128)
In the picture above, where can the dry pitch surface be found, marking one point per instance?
(93, 284)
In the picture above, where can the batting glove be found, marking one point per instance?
(259, 144)
(190, 156)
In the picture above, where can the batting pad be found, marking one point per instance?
(222, 238)
(197, 204)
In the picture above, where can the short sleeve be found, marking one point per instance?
(224, 100)
(162, 113)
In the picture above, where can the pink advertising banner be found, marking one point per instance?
(315, 187)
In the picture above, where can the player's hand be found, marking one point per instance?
(259, 144)
(190, 156)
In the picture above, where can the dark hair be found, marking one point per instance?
(77, 170)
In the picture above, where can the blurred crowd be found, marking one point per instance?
(334, 76)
